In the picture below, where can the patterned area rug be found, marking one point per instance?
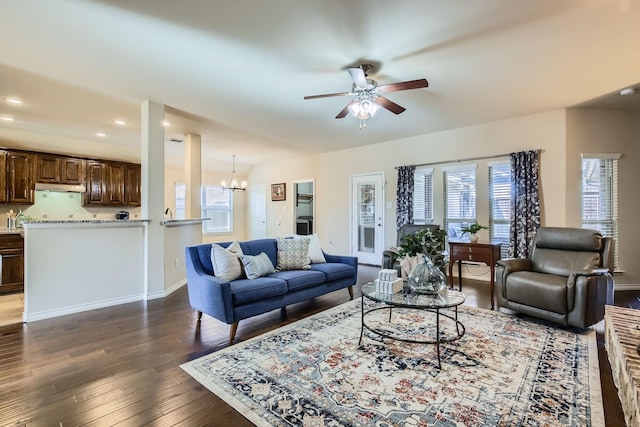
(504, 371)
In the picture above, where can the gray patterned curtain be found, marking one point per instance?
(525, 202)
(404, 196)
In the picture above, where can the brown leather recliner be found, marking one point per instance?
(566, 279)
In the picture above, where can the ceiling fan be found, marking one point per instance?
(368, 95)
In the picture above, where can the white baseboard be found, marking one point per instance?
(78, 308)
(101, 304)
(626, 287)
(171, 289)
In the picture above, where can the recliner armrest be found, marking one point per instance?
(592, 272)
(515, 264)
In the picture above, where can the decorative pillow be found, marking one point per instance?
(315, 251)
(226, 264)
(256, 266)
(293, 254)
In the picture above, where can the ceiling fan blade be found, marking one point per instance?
(389, 105)
(327, 95)
(411, 84)
(357, 74)
(342, 114)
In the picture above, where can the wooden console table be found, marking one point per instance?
(621, 338)
(488, 253)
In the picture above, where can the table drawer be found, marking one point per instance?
(471, 253)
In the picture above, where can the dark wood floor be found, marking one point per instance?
(120, 365)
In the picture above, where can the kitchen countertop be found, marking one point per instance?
(11, 231)
(176, 222)
(82, 221)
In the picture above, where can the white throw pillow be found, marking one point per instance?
(226, 262)
(256, 266)
(315, 251)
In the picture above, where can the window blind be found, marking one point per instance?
(600, 197)
(217, 204)
(423, 196)
(460, 199)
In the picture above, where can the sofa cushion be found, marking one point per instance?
(540, 290)
(226, 264)
(256, 266)
(293, 254)
(256, 247)
(334, 270)
(300, 279)
(316, 256)
(244, 291)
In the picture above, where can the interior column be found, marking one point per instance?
(152, 156)
(193, 174)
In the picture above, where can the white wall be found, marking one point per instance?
(609, 131)
(332, 172)
(209, 177)
(76, 267)
(176, 238)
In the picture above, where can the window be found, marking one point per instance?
(217, 204)
(500, 204)
(460, 199)
(423, 196)
(180, 201)
(600, 195)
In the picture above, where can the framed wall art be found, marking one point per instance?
(278, 192)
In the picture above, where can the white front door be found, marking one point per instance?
(258, 211)
(367, 217)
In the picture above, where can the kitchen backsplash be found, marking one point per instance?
(55, 206)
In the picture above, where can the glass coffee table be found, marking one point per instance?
(433, 304)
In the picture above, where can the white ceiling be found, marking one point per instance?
(236, 71)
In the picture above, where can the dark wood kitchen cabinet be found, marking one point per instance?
(55, 169)
(115, 177)
(132, 185)
(20, 177)
(96, 174)
(112, 184)
(3, 177)
(11, 263)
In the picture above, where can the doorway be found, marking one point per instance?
(367, 217)
(304, 209)
(258, 205)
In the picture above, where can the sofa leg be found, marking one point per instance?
(199, 316)
(232, 332)
(350, 288)
(283, 313)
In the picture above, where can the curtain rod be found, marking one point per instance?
(468, 159)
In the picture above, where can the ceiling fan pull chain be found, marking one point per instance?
(363, 124)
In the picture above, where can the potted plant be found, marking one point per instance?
(472, 231)
(426, 242)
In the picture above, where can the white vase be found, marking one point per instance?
(473, 238)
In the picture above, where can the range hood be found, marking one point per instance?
(61, 188)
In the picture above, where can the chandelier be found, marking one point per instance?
(232, 182)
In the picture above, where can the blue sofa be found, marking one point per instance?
(232, 301)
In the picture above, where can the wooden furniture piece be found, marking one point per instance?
(488, 253)
(11, 263)
(621, 339)
(108, 183)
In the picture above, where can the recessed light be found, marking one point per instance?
(14, 101)
(628, 91)
(166, 124)
(7, 119)
(101, 134)
(120, 122)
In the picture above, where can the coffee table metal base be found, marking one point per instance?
(438, 339)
